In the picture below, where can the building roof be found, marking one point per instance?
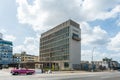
(5, 42)
(62, 25)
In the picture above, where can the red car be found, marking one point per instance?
(22, 71)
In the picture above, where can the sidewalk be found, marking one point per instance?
(7, 70)
(70, 72)
(58, 72)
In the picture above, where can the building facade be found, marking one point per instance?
(62, 45)
(5, 51)
(16, 58)
(24, 60)
(28, 58)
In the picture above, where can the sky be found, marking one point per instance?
(23, 21)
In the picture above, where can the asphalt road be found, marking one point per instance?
(5, 75)
(97, 76)
(94, 78)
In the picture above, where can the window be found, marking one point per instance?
(66, 64)
(75, 37)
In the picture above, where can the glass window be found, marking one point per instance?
(75, 37)
(66, 64)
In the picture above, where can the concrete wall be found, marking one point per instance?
(75, 47)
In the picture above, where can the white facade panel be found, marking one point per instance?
(75, 47)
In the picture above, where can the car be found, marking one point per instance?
(22, 71)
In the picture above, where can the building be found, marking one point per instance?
(62, 45)
(16, 58)
(28, 58)
(85, 65)
(106, 64)
(28, 61)
(24, 60)
(115, 64)
(5, 51)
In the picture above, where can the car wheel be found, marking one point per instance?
(30, 73)
(15, 73)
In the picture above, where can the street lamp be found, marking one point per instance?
(92, 58)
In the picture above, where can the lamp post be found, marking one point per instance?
(92, 58)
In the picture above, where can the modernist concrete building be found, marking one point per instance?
(5, 51)
(62, 45)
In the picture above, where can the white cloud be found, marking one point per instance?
(100, 5)
(18, 48)
(115, 43)
(30, 45)
(93, 36)
(97, 9)
(6, 36)
(9, 37)
(3, 31)
(118, 21)
(31, 14)
(29, 40)
(43, 14)
(97, 55)
(118, 24)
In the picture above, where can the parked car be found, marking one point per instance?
(22, 71)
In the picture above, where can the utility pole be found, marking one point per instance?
(92, 58)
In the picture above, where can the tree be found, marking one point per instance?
(107, 59)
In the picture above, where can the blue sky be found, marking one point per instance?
(22, 21)
(9, 22)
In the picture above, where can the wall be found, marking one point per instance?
(75, 47)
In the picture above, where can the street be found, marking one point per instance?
(113, 75)
(103, 76)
